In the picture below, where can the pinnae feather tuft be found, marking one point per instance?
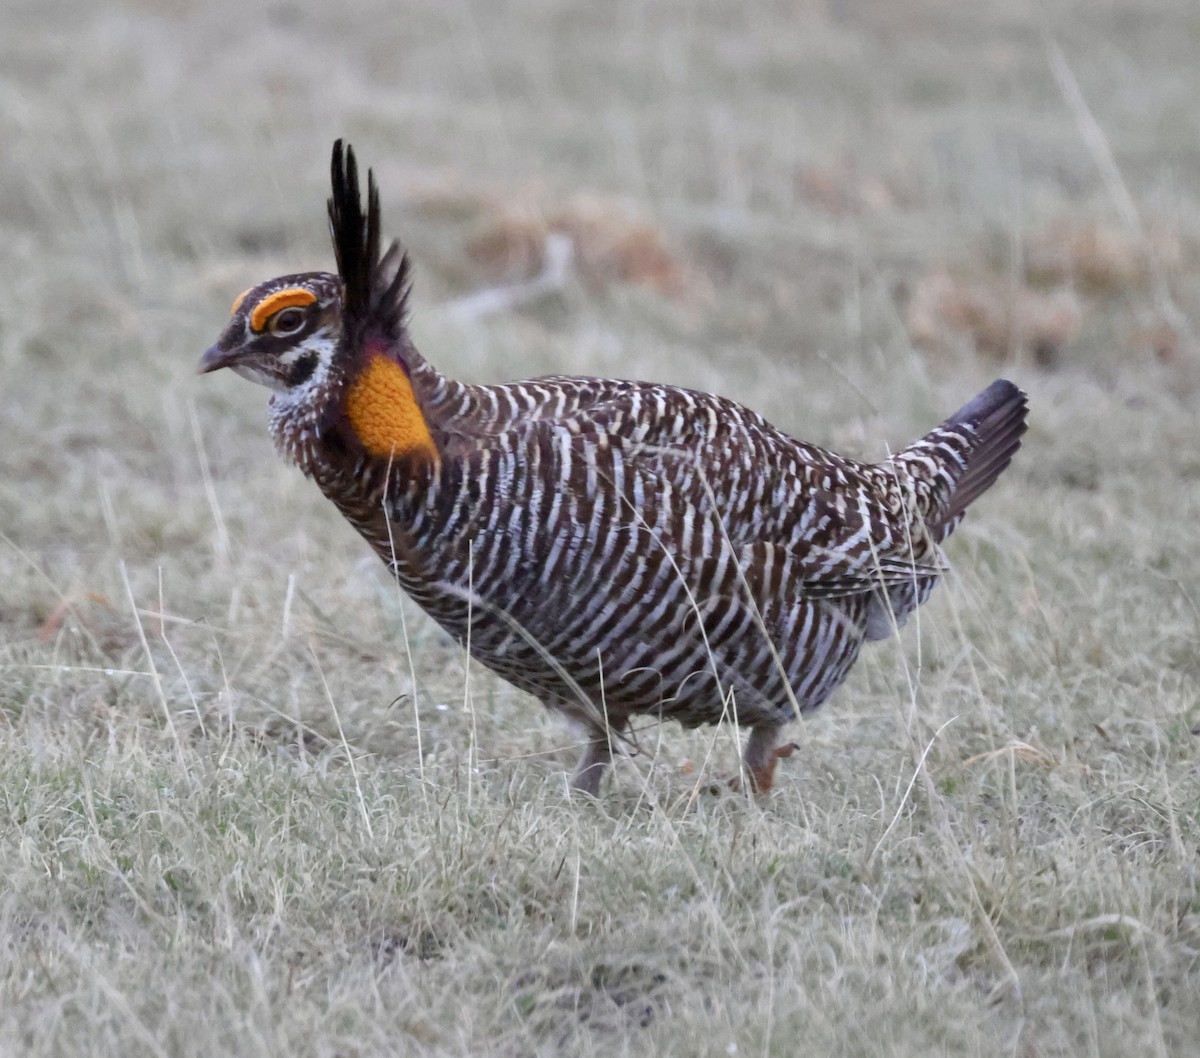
(376, 288)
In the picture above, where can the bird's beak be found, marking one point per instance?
(214, 359)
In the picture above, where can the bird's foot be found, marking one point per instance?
(597, 753)
(761, 774)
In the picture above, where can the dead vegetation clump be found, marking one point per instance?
(841, 190)
(1070, 268)
(1001, 317)
(1100, 259)
(1158, 339)
(508, 237)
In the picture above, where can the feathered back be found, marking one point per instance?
(376, 289)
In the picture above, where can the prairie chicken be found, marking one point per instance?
(615, 548)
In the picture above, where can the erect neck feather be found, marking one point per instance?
(382, 409)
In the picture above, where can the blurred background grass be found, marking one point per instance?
(850, 216)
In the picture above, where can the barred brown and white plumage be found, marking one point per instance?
(615, 548)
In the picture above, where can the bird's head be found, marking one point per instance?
(335, 347)
(283, 334)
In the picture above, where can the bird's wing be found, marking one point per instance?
(786, 509)
(837, 568)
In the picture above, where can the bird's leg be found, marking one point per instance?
(762, 754)
(597, 752)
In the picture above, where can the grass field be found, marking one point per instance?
(254, 803)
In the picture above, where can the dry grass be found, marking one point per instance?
(255, 803)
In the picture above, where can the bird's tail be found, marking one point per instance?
(959, 460)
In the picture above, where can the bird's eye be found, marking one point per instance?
(287, 322)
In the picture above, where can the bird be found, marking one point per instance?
(618, 549)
